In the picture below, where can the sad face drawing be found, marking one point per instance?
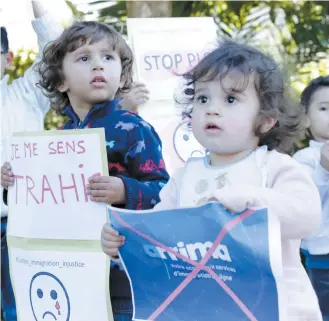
(48, 297)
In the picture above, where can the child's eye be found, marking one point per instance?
(231, 99)
(202, 99)
(323, 108)
(84, 58)
(108, 57)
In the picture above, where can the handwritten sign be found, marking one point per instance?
(165, 65)
(49, 199)
(221, 266)
(54, 229)
(167, 47)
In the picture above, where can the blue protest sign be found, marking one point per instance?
(198, 264)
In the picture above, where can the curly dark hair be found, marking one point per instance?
(275, 100)
(311, 88)
(75, 36)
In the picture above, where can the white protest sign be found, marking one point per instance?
(48, 199)
(60, 285)
(178, 142)
(165, 47)
(54, 229)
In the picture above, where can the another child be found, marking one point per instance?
(82, 71)
(241, 115)
(315, 99)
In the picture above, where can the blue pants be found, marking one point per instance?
(122, 309)
(320, 281)
(8, 306)
(121, 317)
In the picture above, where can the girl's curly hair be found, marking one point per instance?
(275, 101)
(78, 34)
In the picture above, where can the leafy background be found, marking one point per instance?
(294, 32)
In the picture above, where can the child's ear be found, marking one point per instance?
(63, 87)
(123, 80)
(267, 124)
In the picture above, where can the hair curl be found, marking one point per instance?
(50, 68)
(274, 98)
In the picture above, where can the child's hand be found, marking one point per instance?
(234, 199)
(135, 97)
(106, 189)
(325, 156)
(7, 176)
(111, 240)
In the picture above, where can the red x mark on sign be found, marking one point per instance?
(197, 266)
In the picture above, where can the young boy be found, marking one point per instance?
(315, 99)
(82, 72)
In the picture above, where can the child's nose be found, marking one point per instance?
(98, 64)
(212, 113)
(213, 110)
(98, 67)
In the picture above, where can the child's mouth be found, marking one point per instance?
(98, 81)
(212, 128)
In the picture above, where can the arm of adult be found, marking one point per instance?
(25, 87)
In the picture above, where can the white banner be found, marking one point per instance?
(166, 47)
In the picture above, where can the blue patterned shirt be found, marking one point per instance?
(134, 151)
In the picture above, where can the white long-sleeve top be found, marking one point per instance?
(23, 105)
(318, 242)
(279, 184)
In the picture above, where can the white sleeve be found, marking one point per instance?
(47, 29)
(291, 195)
(319, 174)
(169, 195)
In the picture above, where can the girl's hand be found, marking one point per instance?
(106, 189)
(111, 241)
(7, 176)
(234, 199)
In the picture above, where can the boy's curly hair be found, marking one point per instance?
(78, 34)
(275, 101)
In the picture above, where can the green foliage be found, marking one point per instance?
(115, 16)
(299, 28)
(22, 61)
(78, 15)
(53, 121)
(303, 26)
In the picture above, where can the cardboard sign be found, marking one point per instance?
(49, 197)
(54, 229)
